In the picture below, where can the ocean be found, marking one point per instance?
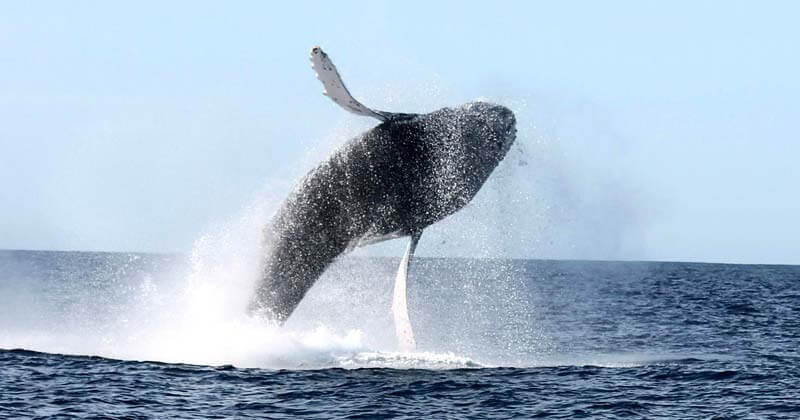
(121, 335)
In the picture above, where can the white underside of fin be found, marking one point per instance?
(335, 88)
(402, 325)
(370, 239)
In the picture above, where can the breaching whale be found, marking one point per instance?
(392, 181)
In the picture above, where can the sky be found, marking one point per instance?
(647, 130)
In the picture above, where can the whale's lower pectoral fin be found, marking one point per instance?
(370, 239)
(402, 325)
(337, 91)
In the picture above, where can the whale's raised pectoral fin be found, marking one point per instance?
(337, 91)
(402, 325)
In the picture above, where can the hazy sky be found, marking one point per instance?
(648, 130)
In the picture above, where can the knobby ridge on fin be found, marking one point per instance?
(336, 90)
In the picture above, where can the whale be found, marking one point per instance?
(392, 181)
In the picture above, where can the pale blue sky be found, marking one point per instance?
(651, 130)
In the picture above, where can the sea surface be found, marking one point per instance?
(118, 335)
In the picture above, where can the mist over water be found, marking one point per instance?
(188, 309)
(159, 308)
(191, 308)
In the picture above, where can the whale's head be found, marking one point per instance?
(488, 128)
(474, 137)
(465, 144)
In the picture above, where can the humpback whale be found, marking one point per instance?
(393, 181)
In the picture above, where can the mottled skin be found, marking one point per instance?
(393, 180)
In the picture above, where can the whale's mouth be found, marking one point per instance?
(509, 128)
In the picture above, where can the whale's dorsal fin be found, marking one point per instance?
(402, 325)
(337, 91)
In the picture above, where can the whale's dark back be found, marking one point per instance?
(393, 180)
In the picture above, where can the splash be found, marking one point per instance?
(191, 310)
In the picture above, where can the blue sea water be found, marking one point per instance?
(119, 335)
